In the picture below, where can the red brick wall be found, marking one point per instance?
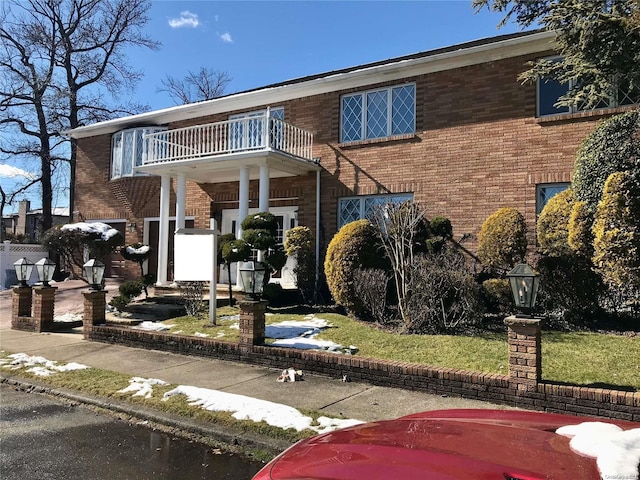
(478, 147)
(494, 388)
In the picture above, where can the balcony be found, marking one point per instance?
(214, 152)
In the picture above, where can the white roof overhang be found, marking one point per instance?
(368, 75)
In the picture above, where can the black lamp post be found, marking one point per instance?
(524, 286)
(45, 268)
(253, 276)
(23, 268)
(93, 271)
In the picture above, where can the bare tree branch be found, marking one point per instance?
(205, 84)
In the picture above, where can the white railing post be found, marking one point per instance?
(267, 128)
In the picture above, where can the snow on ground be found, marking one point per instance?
(247, 408)
(617, 451)
(152, 326)
(68, 317)
(302, 334)
(142, 387)
(39, 365)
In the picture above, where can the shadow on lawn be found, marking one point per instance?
(607, 386)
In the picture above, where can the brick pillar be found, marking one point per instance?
(252, 322)
(21, 308)
(95, 306)
(525, 351)
(43, 306)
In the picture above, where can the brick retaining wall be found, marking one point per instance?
(494, 388)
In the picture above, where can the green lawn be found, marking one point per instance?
(572, 357)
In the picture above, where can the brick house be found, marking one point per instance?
(452, 128)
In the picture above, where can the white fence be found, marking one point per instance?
(11, 253)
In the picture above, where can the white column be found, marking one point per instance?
(263, 204)
(163, 240)
(181, 200)
(243, 199)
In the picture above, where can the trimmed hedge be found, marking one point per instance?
(502, 241)
(553, 224)
(356, 245)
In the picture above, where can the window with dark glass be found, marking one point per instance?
(378, 113)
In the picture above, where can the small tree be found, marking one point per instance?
(138, 253)
(299, 245)
(77, 242)
(233, 251)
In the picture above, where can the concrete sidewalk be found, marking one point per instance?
(333, 397)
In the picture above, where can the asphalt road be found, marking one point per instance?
(42, 437)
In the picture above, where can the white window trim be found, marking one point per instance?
(363, 118)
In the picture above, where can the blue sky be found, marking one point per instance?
(262, 42)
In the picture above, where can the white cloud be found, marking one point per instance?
(186, 19)
(226, 37)
(10, 171)
(217, 17)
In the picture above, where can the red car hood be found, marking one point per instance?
(453, 444)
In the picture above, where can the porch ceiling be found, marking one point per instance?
(225, 168)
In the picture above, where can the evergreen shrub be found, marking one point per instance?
(299, 244)
(497, 295)
(616, 232)
(553, 224)
(502, 241)
(356, 245)
(610, 148)
(580, 237)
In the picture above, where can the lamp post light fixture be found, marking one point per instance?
(23, 268)
(524, 286)
(45, 268)
(93, 271)
(253, 276)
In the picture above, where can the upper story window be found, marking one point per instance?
(550, 90)
(363, 207)
(128, 149)
(378, 113)
(247, 130)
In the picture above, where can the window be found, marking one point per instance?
(351, 209)
(247, 129)
(378, 113)
(550, 90)
(128, 149)
(545, 192)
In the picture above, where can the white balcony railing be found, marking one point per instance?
(261, 132)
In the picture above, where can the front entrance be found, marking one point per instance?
(286, 217)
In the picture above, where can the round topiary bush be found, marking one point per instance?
(610, 148)
(497, 295)
(356, 245)
(553, 224)
(502, 241)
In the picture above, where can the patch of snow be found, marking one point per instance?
(329, 424)
(68, 317)
(294, 329)
(153, 326)
(617, 451)
(247, 408)
(307, 344)
(142, 387)
(104, 230)
(229, 318)
(138, 251)
(38, 365)
(198, 334)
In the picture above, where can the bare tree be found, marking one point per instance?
(59, 60)
(205, 84)
(399, 226)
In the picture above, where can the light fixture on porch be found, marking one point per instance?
(45, 268)
(93, 272)
(132, 227)
(23, 268)
(524, 286)
(253, 276)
